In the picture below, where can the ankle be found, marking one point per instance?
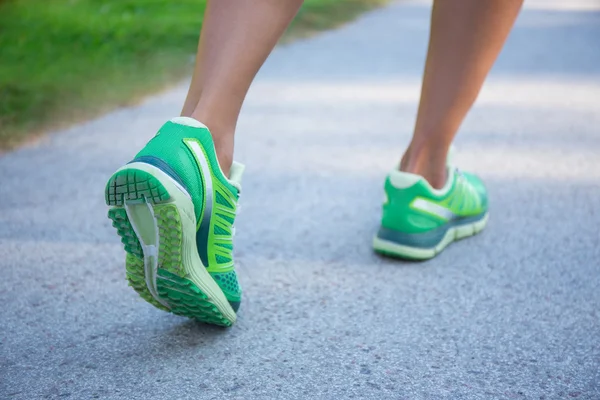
(225, 160)
(224, 151)
(222, 136)
(430, 163)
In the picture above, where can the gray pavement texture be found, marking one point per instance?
(509, 314)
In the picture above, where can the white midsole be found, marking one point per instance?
(454, 233)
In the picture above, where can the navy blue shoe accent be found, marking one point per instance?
(163, 166)
(235, 305)
(429, 239)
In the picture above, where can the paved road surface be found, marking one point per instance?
(510, 314)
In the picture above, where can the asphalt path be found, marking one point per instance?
(509, 314)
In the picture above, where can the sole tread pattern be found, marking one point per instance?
(184, 297)
(125, 231)
(134, 185)
(135, 277)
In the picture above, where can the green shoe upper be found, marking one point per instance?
(413, 206)
(183, 148)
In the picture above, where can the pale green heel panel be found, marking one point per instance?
(133, 184)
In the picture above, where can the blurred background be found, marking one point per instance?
(63, 61)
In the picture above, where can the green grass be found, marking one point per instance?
(63, 61)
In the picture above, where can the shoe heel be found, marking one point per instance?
(160, 277)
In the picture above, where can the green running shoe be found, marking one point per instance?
(419, 221)
(174, 210)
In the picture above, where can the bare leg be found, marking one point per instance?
(236, 39)
(466, 37)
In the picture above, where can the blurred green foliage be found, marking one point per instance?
(65, 60)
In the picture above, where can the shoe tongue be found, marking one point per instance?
(235, 174)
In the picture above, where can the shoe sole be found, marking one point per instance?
(155, 218)
(398, 250)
